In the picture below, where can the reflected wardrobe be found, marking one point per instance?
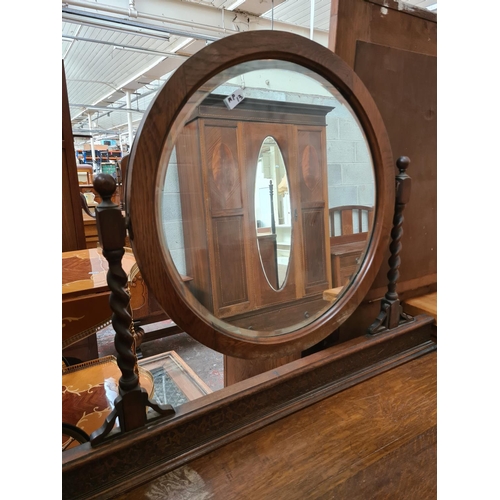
(253, 194)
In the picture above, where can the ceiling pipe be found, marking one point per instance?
(129, 121)
(311, 30)
(91, 140)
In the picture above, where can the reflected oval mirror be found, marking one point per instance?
(197, 191)
(273, 213)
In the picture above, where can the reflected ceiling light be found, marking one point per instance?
(235, 4)
(434, 6)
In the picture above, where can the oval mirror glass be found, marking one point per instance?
(216, 197)
(273, 213)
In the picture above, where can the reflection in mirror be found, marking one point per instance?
(272, 213)
(216, 198)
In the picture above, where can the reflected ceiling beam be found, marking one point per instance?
(124, 47)
(196, 20)
(104, 108)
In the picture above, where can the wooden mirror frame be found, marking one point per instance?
(145, 166)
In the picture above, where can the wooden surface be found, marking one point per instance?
(208, 423)
(84, 271)
(424, 304)
(85, 298)
(73, 237)
(376, 440)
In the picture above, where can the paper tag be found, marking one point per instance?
(231, 101)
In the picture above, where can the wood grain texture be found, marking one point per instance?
(73, 234)
(424, 304)
(402, 45)
(219, 418)
(376, 440)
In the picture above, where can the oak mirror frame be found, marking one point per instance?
(152, 148)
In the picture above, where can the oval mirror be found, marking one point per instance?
(198, 194)
(273, 213)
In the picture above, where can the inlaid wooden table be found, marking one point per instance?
(85, 297)
(89, 391)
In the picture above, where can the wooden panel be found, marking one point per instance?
(402, 45)
(403, 111)
(268, 258)
(253, 135)
(374, 440)
(229, 252)
(193, 213)
(221, 153)
(315, 261)
(352, 20)
(237, 369)
(312, 168)
(73, 235)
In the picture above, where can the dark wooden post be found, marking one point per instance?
(131, 403)
(391, 314)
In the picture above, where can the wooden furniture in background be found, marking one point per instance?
(348, 241)
(233, 276)
(85, 175)
(85, 300)
(223, 146)
(401, 42)
(73, 236)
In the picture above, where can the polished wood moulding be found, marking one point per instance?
(375, 440)
(217, 419)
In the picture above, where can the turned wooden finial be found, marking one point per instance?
(391, 314)
(105, 185)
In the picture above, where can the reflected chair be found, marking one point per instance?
(350, 226)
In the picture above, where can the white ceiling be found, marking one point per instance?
(117, 54)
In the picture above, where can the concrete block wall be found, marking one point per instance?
(349, 168)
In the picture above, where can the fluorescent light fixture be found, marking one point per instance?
(235, 4)
(434, 6)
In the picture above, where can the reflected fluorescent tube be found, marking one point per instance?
(235, 4)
